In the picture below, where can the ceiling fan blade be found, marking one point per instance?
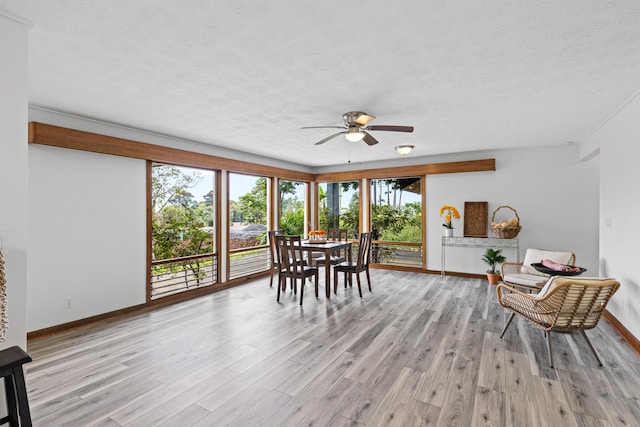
(391, 128)
(330, 137)
(370, 140)
(322, 127)
(363, 119)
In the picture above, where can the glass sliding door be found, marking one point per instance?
(248, 204)
(396, 221)
(183, 229)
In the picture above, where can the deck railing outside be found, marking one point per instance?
(246, 261)
(396, 253)
(172, 276)
(177, 275)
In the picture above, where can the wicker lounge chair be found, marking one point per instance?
(564, 304)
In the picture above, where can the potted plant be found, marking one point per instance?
(450, 213)
(493, 257)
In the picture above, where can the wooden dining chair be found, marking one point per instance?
(361, 264)
(274, 254)
(338, 235)
(293, 265)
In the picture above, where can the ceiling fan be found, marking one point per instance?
(356, 128)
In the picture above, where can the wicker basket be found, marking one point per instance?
(508, 232)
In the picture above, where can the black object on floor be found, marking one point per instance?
(11, 361)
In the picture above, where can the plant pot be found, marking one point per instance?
(448, 232)
(493, 278)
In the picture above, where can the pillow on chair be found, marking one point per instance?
(537, 255)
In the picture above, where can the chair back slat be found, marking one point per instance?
(291, 255)
(274, 249)
(580, 306)
(364, 250)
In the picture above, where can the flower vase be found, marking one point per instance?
(448, 232)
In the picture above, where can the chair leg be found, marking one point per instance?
(271, 279)
(368, 278)
(21, 391)
(10, 395)
(593, 350)
(335, 282)
(301, 291)
(359, 287)
(507, 325)
(549, 348)
(316, 283)
(280, 286)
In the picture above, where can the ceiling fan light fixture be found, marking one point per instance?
(404, 149)
(354, 135)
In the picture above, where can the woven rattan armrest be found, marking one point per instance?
(511, 289)
(510, 268)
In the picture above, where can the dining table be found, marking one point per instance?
(326, 247)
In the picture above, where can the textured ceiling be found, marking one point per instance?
(247, 75)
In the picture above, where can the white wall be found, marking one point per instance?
(101, 268)
(618, 142)
(88, 234)
(555, 194)
(13, 172)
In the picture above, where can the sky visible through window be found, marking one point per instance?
(241, 185)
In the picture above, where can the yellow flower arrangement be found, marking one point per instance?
(317, 234)
(452, 213)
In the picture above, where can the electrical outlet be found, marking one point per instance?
(67, 303)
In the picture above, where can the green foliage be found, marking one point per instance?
(291, 208)
(292, 223)
(169, 183)
(388, 220)
(409, 233)
(235, 214)
(178, 221)
(253, 205)
(391, 220)
(348, 218)
(493, 257)
(178, 232)
(289, 187)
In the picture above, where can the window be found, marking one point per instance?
(339, 206)
(292, 197)
(183, 224)
(396, 221)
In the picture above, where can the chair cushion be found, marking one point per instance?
(533, 280)
(537, 255)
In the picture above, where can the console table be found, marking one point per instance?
(478, 242)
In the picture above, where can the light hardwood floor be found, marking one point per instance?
(419, 350)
